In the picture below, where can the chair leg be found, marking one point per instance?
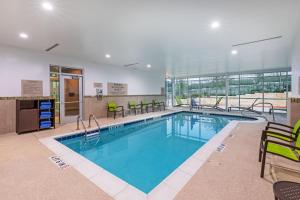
(123, 113)
(263, 163)
(135, 111)
(260, 154)
(115, 114)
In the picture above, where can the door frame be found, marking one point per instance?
(63, 118)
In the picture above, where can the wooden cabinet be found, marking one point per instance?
(30, 115)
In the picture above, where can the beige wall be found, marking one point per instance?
(293, 110)
(91, 105)
(98, 107)
(7, 116)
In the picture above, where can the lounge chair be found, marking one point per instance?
(250, 108)
(179, 102)
(290, 151)
(215, 106)
(145, 106)
(112, 107)
(194, 104)
(159, 104)
(132, 105)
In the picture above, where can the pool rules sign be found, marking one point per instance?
(116, 89)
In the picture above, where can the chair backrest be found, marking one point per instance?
(254, 102)
(193, 102)
(297, 127)
(178, 100)
(218, 101)
(132, 104)
(112, 106)
(143, 102)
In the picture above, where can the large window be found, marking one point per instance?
(181, 90)
(236, 90)
(251, 90)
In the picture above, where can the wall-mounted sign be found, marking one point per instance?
(98, 85)
(31, 88)
(117, 89)
(99, 90)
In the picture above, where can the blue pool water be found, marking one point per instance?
(146, 152)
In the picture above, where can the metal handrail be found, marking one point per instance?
(260, 113)
(92, 116)
(80, 120)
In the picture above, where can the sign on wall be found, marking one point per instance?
(98, 85)
(31, 88)
(117, 89)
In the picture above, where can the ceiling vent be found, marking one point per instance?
(257, 41)
(52, 47)
(131, 65)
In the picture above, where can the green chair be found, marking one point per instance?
(159, 104)
(145, 106)
(289, 134)
(284, 130)
(132, 105)
(112, 107)
(279, 131)
(286, 150)
(179, 102)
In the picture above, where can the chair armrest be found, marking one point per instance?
(282, 144)
(275, 133)
(120, 107)
(279, 129)
(279, 124)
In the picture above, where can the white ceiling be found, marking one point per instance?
(173, 36)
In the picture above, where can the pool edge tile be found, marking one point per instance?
(131, 193)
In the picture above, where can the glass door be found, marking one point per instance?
(70, 97)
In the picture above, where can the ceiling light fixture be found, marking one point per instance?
(23, 35)
(148, 66)
(47, 6)
(234, 52)
(107, 55)
(215, 25)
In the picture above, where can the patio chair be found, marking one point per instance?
(284, 129)
(282, 134)
(112, 107)
(250, 108)
(179, 102)
(290, 151)
(194, 104)
(215, 106)
(145, 106)
(133, 106)
(159, 104)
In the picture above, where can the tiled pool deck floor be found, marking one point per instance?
(27, 173)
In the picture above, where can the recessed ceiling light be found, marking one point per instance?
(23, 35)
(234, 52)
(107, 55)
(148, 66)
(47, 6)
(215, 25)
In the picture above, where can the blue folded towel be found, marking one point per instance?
(45, 116)
(45, 126)
(45, 122)
(45, 113)
(45, 105)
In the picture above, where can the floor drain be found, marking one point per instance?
(221, 148)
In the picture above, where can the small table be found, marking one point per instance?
(286, 190)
